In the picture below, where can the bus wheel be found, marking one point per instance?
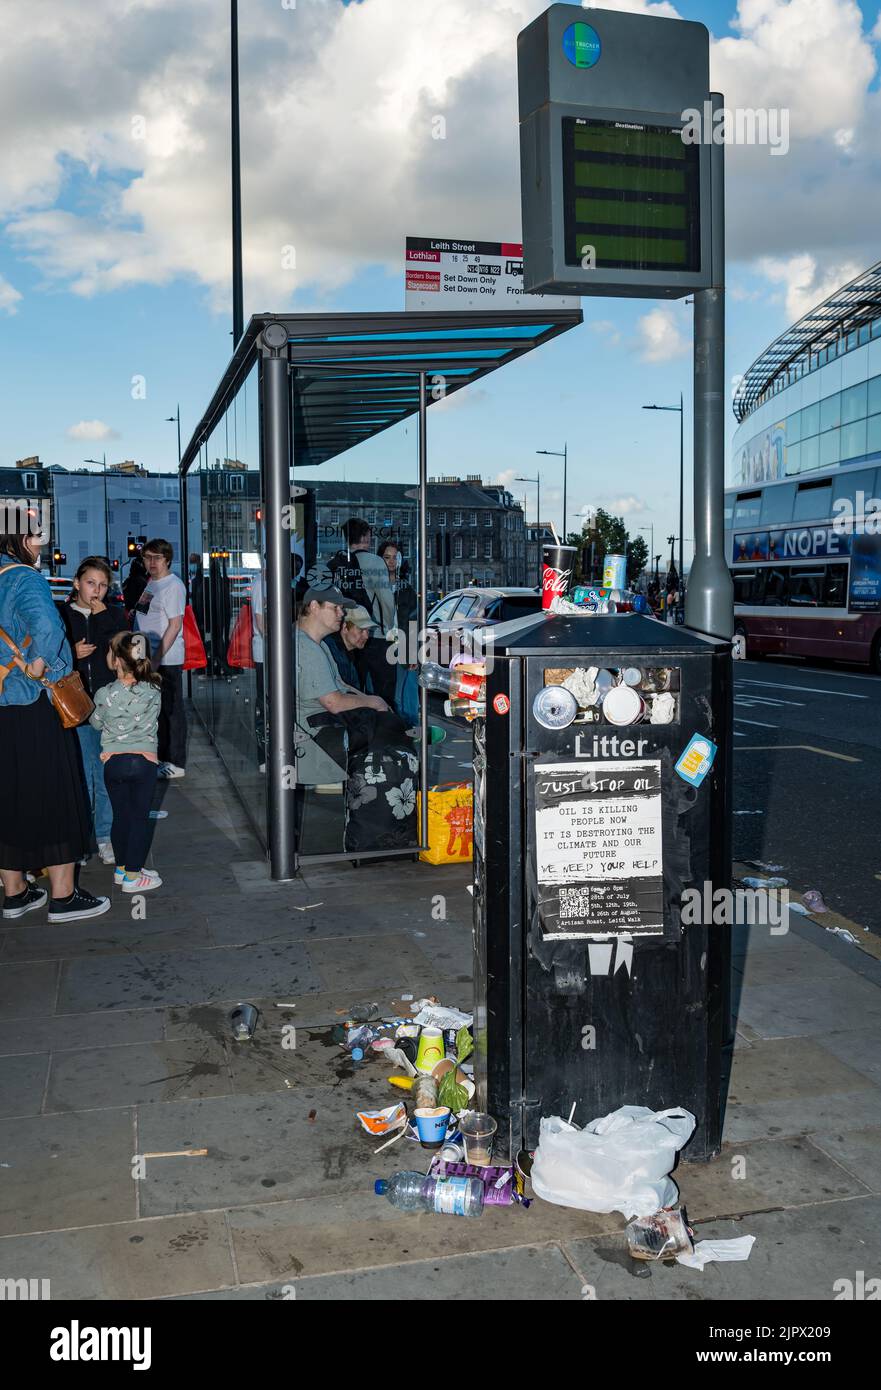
(750, 653)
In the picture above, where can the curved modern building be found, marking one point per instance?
(812, 400)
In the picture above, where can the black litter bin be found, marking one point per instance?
(596, 982)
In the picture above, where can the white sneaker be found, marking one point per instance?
(105, 850)
(170, 770)
(119, 875)
(158, 815)
(146, 879)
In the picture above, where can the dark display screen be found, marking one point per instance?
(632, 192)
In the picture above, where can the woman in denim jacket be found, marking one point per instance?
(44, 819)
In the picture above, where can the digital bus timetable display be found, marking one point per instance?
(632, 193)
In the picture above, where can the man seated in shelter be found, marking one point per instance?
(346, 645)
(326, 704)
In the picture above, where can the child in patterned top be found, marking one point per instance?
(127, 713)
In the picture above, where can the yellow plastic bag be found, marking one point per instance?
(450, 824)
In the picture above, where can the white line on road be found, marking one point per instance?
(810, 689)
(751, 699)
(804, 747)
(757, 722)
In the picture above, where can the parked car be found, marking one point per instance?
(474, 609)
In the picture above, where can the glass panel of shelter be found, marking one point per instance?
(358, 762)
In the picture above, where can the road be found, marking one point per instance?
(807, 778)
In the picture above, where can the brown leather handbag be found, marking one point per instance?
(69, 696)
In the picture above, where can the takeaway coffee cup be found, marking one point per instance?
(431, 1125)
(556, 573)
(478, 1132)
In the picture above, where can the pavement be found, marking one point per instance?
(115, 1047)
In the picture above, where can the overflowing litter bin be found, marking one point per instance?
(601, 776)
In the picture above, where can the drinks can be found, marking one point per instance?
(557, 561)
(615, 572)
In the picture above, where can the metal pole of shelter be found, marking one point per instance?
(281, 679)
(238, 313)
(423, 608)
(680, 603)
(710, 601)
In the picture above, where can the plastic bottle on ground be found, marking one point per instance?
(411, 1191)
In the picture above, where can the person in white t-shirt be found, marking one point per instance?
(160, 614)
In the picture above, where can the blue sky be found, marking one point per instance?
(118, 260)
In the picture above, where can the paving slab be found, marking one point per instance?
(802, 1115)
(328, 1234)
(787, 961)
(28, 990)
(797, 1256)
(859, 1049)
(68, 1031)
(264, 1148)
(450, 948)
(766, 1173)
(105, 936)
(368, 963)
(142, 1074)
(66, 1170)
(184, 977)
(785, 1068)
(127, 1260)
(22, 1082)
(799, 1010)
(856, 1150)
(528, 1273)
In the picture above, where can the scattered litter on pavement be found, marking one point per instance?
(739, 1248)
(469, 888)
(311, 1116)
(844, 934)
(800, 909)
(619, 1162)
(287, 1083)
(765, 882)
(813, 900)
(382, 1121)
(760, 863)
(308, 907)
(285, 1006)
(243, 1021)
(405, 998)
(434, 1015)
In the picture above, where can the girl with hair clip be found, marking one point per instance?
(91, 622)
(127, 713)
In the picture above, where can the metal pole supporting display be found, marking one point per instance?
(238, 313)
(710, 600)
(282, 675)
(423, 605)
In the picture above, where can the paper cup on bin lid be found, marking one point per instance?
(556, 571)
(478, 1131)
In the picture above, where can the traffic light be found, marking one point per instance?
(258, 515)
(114, 564)
(132, 547)
(59, 557)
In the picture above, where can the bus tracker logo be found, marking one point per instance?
(501, 704)
(581, 45)
(697, 759)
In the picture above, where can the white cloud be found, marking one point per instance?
(606, 329)
(660, 337)
(623, 506)
(805, 282)
(91, 429)
(9, 296)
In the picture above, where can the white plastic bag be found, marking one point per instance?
(620, 1162)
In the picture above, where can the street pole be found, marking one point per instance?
(680, 605)
(238, 313)
(710, 602)
(103, 462)
(564, 455)
(538, 530)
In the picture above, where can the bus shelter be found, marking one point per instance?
(300, 390)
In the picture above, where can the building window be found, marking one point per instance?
(84, 549)
(172, 516)
(441, 518)
(474, 548)
(427, 517)
(388, 521)
(82, 515)
(457, 548)
(457, 518)
(488, 548)
(472, 518)
(371, 518)
(335, 516)
(135, 518)
(236, 483)
(487, 518)
(30, 482)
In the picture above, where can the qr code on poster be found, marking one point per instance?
(574, 902)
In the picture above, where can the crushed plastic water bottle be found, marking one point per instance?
(765, 882)
(415, 1192)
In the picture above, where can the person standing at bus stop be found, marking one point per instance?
(160, 614)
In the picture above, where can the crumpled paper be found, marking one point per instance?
(739, 1248)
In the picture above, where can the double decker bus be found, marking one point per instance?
(805, 558)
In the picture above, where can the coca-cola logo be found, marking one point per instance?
(555, 581)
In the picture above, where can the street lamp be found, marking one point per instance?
(170, 419)
(103, 464)
(537, 481)
(652, 551)
(555, 453)
(678, 407)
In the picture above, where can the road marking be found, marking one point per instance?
(737, 735)
(749, 813)
(738, 719)
(811, 689)
(767, 700)
(806, 747)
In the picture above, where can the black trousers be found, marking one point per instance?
(382, 673)
(172, 717)
(130, 780)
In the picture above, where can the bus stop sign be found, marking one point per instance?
(615, 201)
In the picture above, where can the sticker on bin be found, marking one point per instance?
(501, 704)
(697, 759)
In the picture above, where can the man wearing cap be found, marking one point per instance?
(346, 645)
